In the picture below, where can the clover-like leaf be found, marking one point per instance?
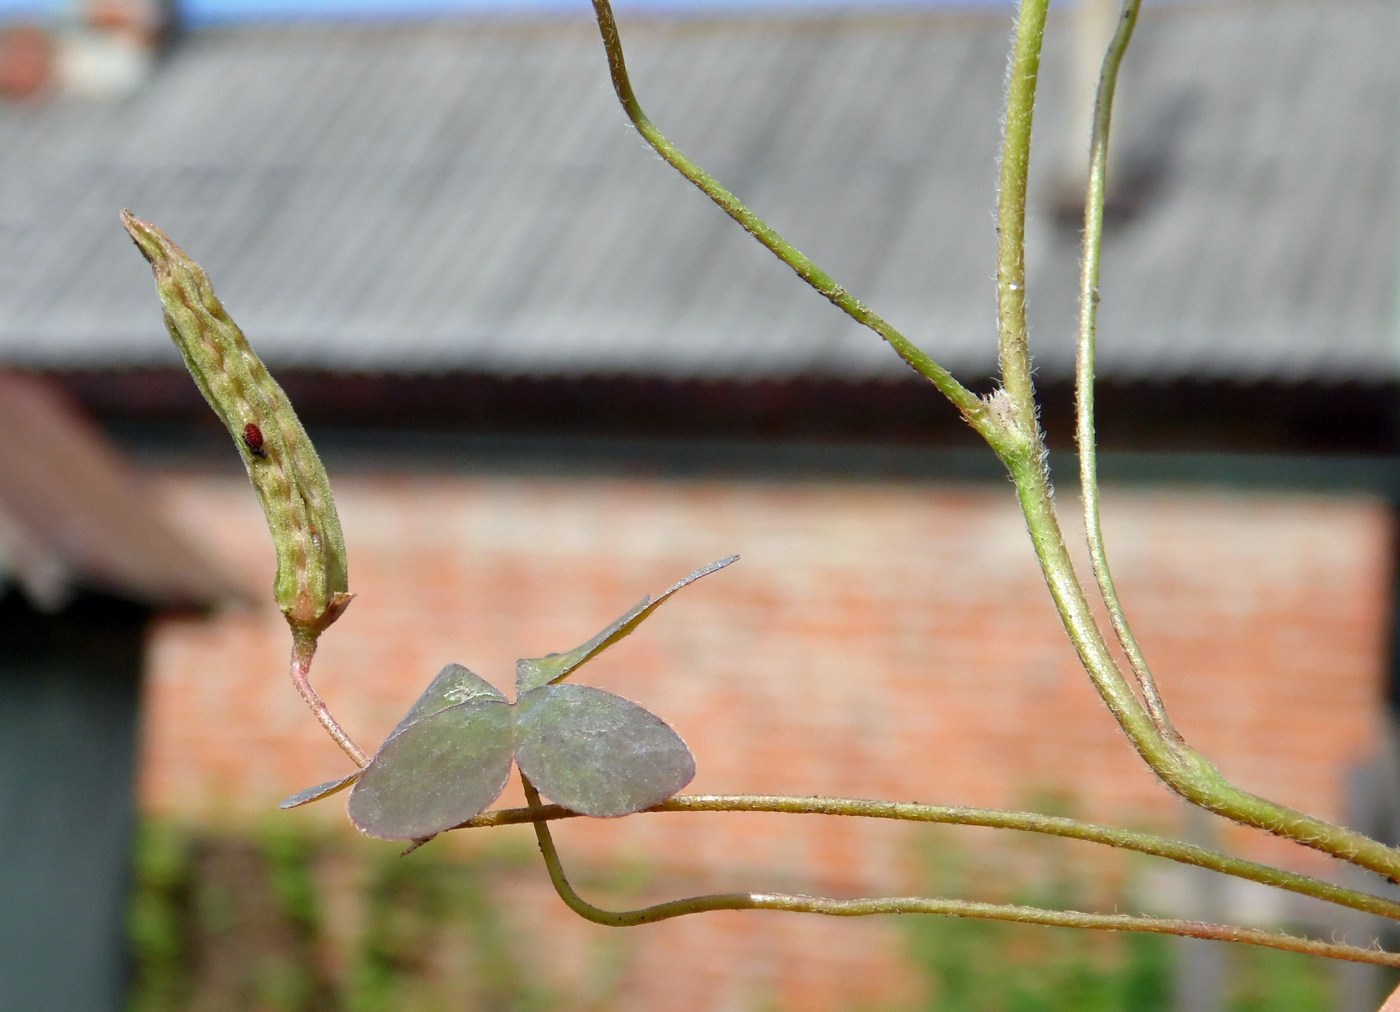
(453, 684)
(532, 672)
(449, 757)
(596, 753)
(437, 772)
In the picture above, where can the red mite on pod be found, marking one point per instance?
(253, 439)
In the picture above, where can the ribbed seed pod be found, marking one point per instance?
(311, 586)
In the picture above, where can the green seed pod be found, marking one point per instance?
(311, 586)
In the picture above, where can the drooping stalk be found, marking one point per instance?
(1150, 844)
(1084, 368)
(871, 906)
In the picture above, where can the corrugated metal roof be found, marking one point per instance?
(467, 196)
(73, 516)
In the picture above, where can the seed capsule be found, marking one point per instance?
(311, 586)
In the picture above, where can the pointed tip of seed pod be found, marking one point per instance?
(146, 236)
(157, 247)
(134, 225)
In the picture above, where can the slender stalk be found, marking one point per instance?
(303, 650)
(991, 818)
(1084, 367)
(963, 399)
(1007, 422)
(1014, 346)
(865, 907)
(1178, 766)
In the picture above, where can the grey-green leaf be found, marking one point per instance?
(533, 672)
(453, 684)
(319, 791)
(596, 753)
(436, 772)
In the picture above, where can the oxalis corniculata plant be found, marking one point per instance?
(596, 754)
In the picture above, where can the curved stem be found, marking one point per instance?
(303, 650)
(1181, 768)
(1084, 367)
(1007, 421)
(963, 399)
(865, 907)
(990, 818)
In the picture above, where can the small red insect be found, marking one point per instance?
(253, 439)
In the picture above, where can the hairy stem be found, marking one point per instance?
(1084, 367)
(1014, 344)
(303, 650)
(865, 907)
(1179, 767)
(1008, 422)
(963, 399)
(991, 818)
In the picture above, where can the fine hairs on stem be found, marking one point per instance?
(866, 907)
(1008, 423)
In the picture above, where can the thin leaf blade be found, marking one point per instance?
(534, 672)
(596, 753)
(320, 791)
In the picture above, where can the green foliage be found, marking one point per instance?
(296, 922)
(158, 916)
(993, 966)
(1278, 982)
(996, 966)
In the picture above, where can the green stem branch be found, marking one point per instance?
(865, 907)
(1014, 344)
(1178, 766)
(990, 818)
(1085, 368)
(1008, 422)
(963, 399)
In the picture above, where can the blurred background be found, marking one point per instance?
(548, 377)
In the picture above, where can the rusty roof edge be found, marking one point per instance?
(74, 517)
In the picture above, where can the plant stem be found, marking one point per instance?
(865, 907)
(303, 650)
(963, 399)
(1013, 345)
(1007, 421)
(1181, 768)
(991, 818)
(1084, 368)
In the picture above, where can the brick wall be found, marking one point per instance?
(888, 640)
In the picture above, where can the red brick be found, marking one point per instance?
(882, 640)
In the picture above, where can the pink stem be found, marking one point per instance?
(303, 649)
